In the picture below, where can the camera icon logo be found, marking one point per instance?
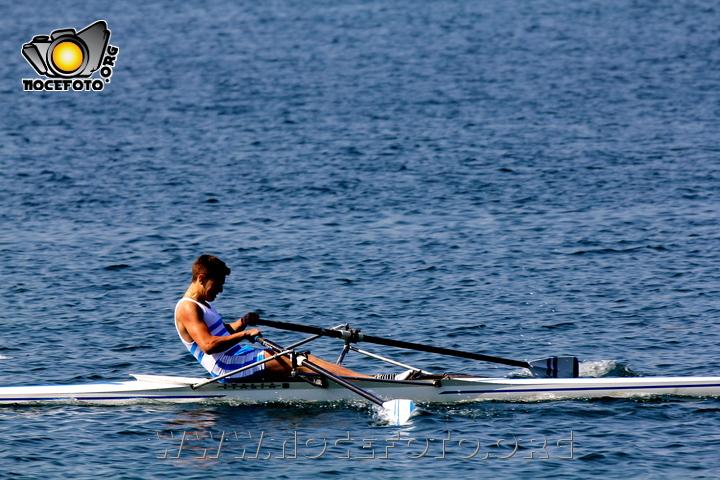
(66, 53)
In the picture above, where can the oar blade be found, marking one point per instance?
(398, 412)
(556, 367)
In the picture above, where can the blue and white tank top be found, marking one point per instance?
(215, 363)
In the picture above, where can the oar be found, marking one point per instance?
(398, 411)
(553, 367)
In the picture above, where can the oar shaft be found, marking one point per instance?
(304, 362)
(341, 381)
(443, 351)
(357, 337)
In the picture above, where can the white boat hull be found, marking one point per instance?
(444, 391)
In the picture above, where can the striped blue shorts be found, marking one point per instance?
(236, 358)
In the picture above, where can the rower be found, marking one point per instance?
(215, 344)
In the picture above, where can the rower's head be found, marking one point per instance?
(210, 272)
(211, 267)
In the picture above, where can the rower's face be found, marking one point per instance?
(214, 286)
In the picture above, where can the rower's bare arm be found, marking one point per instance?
(189, 317)
(235, 327)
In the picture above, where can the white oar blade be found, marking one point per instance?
(398, 411)
(556, 367)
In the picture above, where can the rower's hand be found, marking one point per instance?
(252, 334)
(251, 318)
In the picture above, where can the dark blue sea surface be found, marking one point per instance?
(522, 179)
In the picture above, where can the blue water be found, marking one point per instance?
(521, 179)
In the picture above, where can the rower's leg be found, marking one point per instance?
(334, 368)
(282, 366)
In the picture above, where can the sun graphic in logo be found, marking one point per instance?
(67, 56)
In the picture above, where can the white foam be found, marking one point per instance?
(599, 368)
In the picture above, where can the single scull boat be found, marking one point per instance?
(428, 388)
(560, 381)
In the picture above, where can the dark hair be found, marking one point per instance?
(210, 266)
